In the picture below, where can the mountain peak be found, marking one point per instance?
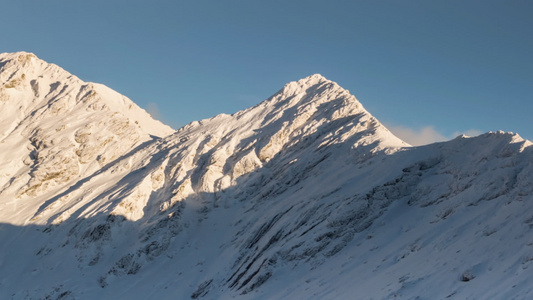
(306, 83)
(313, 79)
(20, 56)
(19, 62)
(322, 100)
(57, 128)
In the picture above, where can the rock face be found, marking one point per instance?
(305, 195)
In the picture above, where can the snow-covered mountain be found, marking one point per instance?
(56, 129)
(305, 196)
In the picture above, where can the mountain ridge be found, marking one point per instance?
(305, 195)
(58, 128)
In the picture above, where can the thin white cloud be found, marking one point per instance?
(416, 137)
(153, 110)
(426, 135)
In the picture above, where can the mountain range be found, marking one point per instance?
(303, 196)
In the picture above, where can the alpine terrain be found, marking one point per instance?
(303, 196)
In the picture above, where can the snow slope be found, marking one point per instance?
(56, 129)
(304, 196)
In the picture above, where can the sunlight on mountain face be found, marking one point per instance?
(303, 196)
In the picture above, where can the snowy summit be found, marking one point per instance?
(303, 196)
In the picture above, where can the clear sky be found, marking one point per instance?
(426, 69)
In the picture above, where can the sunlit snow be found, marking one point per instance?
(303, 196)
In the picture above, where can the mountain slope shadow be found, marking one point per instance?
(278, 216)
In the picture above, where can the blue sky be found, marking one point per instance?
(427, 69)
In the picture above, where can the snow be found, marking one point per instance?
(58, 129)
(305, 195)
